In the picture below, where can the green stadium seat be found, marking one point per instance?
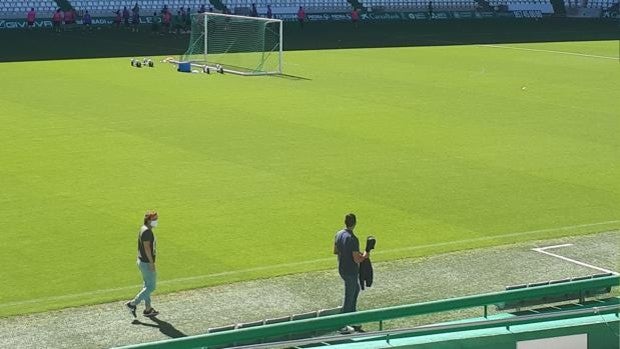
(221, 328)
(250, 324)
(328, 312)
(557, 298)
(277, 320)
(309, 315)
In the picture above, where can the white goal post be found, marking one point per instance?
(236, 44)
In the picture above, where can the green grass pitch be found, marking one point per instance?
(434, 148)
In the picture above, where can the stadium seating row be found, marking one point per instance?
(291, 6)
(287, 3)
(309, 315)
(282, 6)
(45, 7)
(506, 2)
(421, 4)
(112, 5)
(603, 4)
(28, 4)
(14, 9)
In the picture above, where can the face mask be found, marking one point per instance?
(153, 224)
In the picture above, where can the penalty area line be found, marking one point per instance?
(543, 250)
(552, 51)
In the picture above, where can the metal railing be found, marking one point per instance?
(334, 322)
(441, 328)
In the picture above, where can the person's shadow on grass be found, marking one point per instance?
(164, 327)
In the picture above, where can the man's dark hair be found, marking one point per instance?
(350, 220)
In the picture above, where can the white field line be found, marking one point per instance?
(491, 237)
(552, 247)
(551, 51)
(544, 251)
(294, 264)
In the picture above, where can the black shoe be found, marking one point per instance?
(347, 330)
(358, 328)
(131, 308)
(151, 313)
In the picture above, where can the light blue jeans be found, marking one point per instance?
(150, 281)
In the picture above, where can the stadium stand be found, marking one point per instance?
(288, 6)
(18, 9)
(45, 8)
(520, 5)
(237, 6)
(420, 5)
(513, 5)
(147, 7)
(602, 4)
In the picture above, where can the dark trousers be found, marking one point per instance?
(351, 291)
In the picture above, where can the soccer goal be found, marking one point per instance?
(238, 44)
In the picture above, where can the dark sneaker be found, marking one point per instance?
(150, 313)
(358, 328)
(131, 308)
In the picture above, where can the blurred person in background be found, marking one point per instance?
(31, 17)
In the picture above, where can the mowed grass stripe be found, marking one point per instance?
(427, 145)
(599, 225)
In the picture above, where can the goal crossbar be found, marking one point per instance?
(237, 44)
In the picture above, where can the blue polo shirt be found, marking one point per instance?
(347, 243)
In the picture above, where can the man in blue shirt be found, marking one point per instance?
(87, 20)
(347, 247)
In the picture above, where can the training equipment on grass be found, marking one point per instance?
(139, 63)
(235, 44)
(184, 67)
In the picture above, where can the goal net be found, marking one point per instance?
(239, 44)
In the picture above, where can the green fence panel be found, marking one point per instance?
(375, 315)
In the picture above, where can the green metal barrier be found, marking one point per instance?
(377, 315)
(611, 306)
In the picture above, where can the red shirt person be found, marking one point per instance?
(355, 16)
(68, 17)
(57, 20)
(30, 17)
(117, 19)
(166, 17)
(301, 16)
